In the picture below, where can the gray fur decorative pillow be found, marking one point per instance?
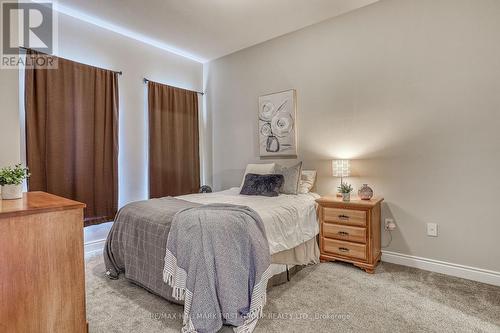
(266, 185)
(291, 176)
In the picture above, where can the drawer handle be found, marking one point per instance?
(343, 249)
(343, 233)
(343, 217)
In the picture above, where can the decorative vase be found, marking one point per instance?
(346, 196)
(272, 144)
(365, 192)
(10, 192)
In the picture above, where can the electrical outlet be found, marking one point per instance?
(432, 229)
(389, 224)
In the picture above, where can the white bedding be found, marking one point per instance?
(290, 220)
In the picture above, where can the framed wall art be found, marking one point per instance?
(277, 124)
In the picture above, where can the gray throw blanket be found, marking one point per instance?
(137, 241)
(217, 260)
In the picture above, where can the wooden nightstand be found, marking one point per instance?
(350, 231)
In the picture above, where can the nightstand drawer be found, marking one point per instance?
(345, 216)
(346, 249)
(344, 232)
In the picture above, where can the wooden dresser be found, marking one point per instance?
(42, 274)
(350, 231)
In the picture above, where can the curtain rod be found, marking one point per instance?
(29, 49)
(198, 92)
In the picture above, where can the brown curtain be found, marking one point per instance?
(174, 162)
(72, 135)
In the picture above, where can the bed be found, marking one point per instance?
(137, 241)
(290, 222)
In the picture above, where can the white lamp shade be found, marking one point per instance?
(341, 168)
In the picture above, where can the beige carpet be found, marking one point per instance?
(328, 297)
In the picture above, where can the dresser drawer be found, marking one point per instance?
(343, 248)
(345, 216)
(344, 232)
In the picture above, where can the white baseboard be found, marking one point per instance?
(465, 272)
(93, 247)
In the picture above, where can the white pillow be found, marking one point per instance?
(259, 169)
(307, 180)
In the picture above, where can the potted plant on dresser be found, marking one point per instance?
(345, 189)
(11, 180)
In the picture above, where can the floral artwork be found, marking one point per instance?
(277, 134)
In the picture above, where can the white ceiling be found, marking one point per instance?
(207, 29)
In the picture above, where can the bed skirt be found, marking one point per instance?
(289, 262)
(303, 254)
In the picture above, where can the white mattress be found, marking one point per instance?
(290, 220)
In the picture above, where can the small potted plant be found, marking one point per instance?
(346, 190)
(11, 180)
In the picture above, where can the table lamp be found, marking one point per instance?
(341, 168)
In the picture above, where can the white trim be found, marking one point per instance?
(465, 272)
(91, 248)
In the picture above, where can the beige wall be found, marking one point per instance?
(408, 89)
(9, 118)
(10, 132)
